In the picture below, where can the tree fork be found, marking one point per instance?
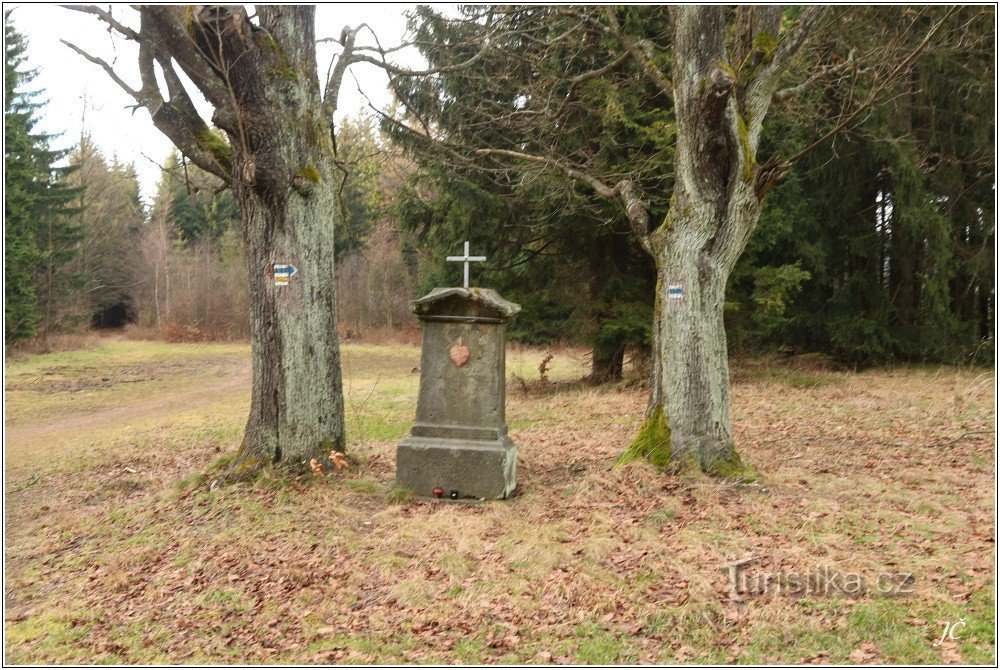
(262, 81)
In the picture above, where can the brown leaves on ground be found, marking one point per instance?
(338, 459)
(949, 652)
(866, 653)
(589, 563)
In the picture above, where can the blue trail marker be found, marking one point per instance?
(283, 272)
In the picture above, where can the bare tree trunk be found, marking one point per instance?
(283, 176)
(166, 284)
(690, 386)
(296, 410)
(715, 206)
(156, 293)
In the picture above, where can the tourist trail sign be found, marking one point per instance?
(282, 273)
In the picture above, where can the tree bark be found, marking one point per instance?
(283, 179)
(607, 364)
(715, 206)
(690, 382)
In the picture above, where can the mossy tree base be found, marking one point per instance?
(732, 468)
(652, 444)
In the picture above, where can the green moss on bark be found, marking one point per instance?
(309, 173)
(732, 468)
(283, 71)
(215, 144)
(651, 443)
(745, 150)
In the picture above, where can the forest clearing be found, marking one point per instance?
(500, 334)
(117, 551)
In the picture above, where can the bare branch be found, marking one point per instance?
(796, 37)
(180, 122)
(642, 53)
(360, 57)
(576, 173)
(873, 97)
(636, 210)
(107, 17)
(168, 24)
(637, 213)
(107, 68)
(403, 72)
(761, 87)
(337, 75)
(822, 73)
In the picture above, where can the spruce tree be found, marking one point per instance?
(38, 234)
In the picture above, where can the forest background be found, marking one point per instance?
(877, 248)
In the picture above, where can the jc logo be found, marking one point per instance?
(950, 631)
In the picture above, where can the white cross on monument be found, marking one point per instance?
(466, 259)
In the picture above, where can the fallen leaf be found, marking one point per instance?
(949, 652)
(863, 654)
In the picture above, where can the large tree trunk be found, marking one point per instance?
(689, 395)
(260, 75)
(296, 409)
(283, 180)
(691, 389)
(714, 208)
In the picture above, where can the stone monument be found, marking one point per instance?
(458, 446)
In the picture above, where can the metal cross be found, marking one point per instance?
(466, 259)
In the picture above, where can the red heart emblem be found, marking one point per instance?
(459, 353)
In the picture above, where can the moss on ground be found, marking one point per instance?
(732, 468)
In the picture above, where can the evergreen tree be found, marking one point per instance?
(109, 215)
(200, 206)
(878, 248)
(38, 234)
(568, 257)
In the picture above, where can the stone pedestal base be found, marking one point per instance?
(474, 468)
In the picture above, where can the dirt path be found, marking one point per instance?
(154, 408)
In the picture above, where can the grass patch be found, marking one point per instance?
(596, 646)
(348, 569)
(399, 495)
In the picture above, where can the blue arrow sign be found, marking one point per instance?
(287, 270)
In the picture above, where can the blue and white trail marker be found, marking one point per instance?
(283, 272)
(675, 291)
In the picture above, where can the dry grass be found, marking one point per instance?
(61, 341)
(114, 557)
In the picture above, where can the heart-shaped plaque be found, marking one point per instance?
(459, 353)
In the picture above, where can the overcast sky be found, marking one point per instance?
(77, 89)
